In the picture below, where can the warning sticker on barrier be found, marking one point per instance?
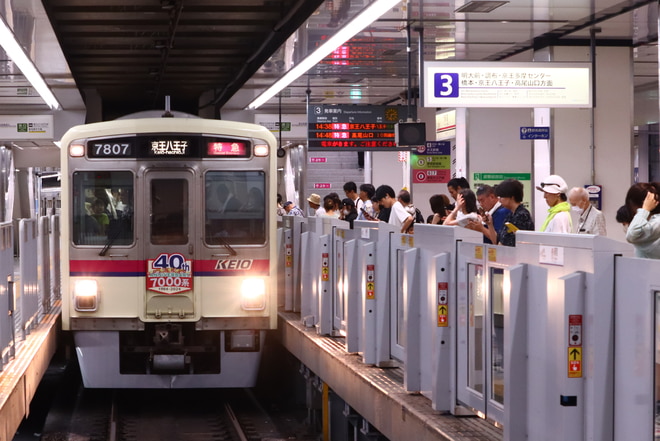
(325, 267)
(371, 283)
(478, 252)
(288, 254)
(574, 362)
(575, 330)
(443, 308)
(442, 316)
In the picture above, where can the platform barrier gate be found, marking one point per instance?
(428, 296)
(637, 349)
(570, 351)
(523, 336)
(480, 334)
(7, 341)
(27, 316)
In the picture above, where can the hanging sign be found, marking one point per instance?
(501, 84)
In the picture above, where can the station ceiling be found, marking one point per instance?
(129, 54)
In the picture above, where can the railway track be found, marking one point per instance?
(163, 415)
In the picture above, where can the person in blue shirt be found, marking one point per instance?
(292, 209)
(493, 208)
(510, 194)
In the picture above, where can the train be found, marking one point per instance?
(168, 250)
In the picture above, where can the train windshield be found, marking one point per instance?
(102, 207)
(235, 209)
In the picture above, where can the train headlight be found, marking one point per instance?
(76, 150)
(261, 150)
(253, 294)
(85, 295)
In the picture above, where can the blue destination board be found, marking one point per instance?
(535, 133)
(435, 148)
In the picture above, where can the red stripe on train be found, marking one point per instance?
(139, 267)
(110, 266)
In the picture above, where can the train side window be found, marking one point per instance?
(102, 208)
(235, 207)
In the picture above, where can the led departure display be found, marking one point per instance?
(349, 127)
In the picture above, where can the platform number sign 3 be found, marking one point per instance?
(445, 85)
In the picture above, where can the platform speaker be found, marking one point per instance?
(410, 134)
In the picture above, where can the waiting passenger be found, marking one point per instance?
(314, 202)
(455, 185)
(348, 211)
(439, 206)
(623, 217)
(398, 216)
(292, 209)
(376, 210)
(280, 209)
(554, 190)
(510, 193)
(350, 190)
(335, 200)
(644, 229)
(365, 207)
(491, 207)
(591, 220)
(465, 210)
(330, 206)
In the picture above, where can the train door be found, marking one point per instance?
(170, 233)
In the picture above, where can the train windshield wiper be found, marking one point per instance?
(232, 251)
(112, 237)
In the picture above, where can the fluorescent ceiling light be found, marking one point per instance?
(28, 69)
(370, 14)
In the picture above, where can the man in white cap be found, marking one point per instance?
(554, 190)
(314, 202)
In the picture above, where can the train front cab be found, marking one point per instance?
(173, 276)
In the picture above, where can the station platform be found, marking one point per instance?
(377, 394)
(21, 376)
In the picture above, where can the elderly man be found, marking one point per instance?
(292, 209)
(591, 220)
(492, 207)
(314, 202)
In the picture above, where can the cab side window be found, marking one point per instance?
(102, 208)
